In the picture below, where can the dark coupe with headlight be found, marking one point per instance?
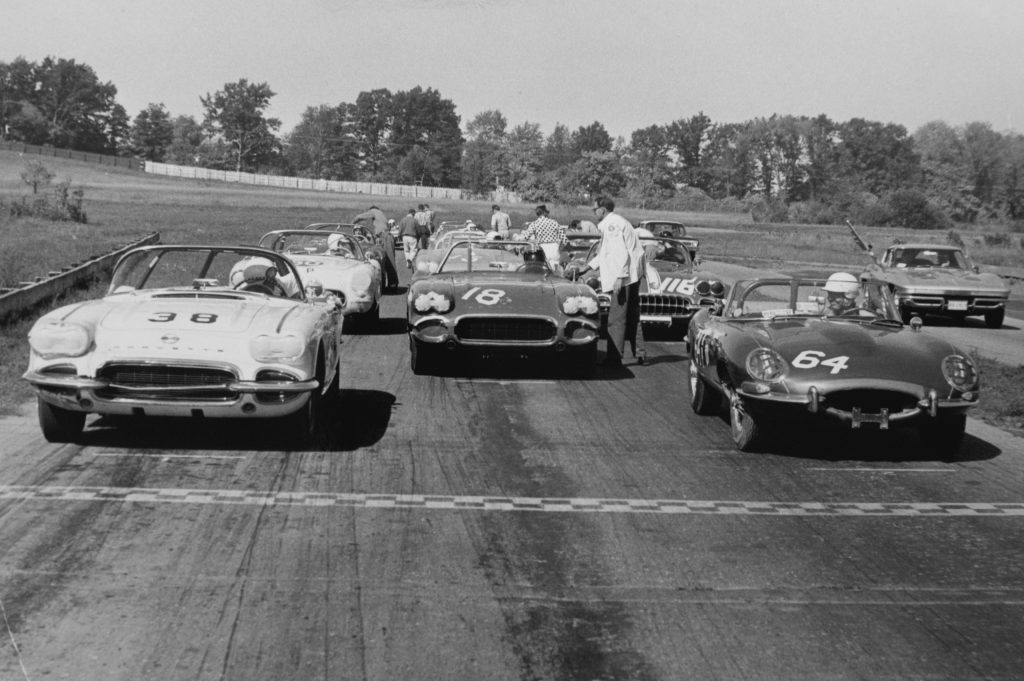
(775, 352)
(500, 299)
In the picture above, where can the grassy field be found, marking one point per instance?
(124, 205)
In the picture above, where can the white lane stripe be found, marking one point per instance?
(122, 454)
(504, 381)
(868, 469)
(489, 503)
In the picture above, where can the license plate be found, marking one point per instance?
(957, 305)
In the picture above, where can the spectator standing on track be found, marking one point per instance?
(620, 265)
(382, 235)
(501, 222)
(548, 233)
(408, 229)
(638, 268)
(423, 220)
(430, 218)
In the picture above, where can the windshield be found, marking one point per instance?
(206, 268)
(768, 299)
(667, 229)
(948, 258)
(495, 256)
(312, 243)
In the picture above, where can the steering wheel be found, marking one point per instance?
(530, 267)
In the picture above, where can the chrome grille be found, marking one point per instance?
(505, 329)
(663, 304)
(169, 383)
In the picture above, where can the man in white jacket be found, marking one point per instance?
(620, 262)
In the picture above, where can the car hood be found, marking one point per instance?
(221, 313)
(939, 280)
(873, 350)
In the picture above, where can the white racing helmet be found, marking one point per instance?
(842, 282)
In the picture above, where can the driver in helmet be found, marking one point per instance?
(841, 291)
(259, 274)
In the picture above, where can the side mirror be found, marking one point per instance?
(916, 323)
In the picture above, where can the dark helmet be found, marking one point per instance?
(536, 255)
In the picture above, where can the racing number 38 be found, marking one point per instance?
(196, 318)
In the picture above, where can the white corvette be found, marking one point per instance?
(335, 261)
(190, 331)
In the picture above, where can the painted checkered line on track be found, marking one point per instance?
(488, 503)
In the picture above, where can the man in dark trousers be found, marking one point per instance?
(382, 234)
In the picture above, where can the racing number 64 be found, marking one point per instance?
(808, 359)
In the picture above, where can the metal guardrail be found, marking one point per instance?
(16, 301)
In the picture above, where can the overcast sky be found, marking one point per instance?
(628, 64)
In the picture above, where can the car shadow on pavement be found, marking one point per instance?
(896, 445)
(358, 418)
(385, 326)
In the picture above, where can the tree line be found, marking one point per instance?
(779, 168)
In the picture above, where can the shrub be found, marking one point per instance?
(63, 204)
(911, 209)
(767, 210)
(998, 239)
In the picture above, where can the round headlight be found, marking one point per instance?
(764, 364)
(272, 348)
(960, 372)
(703, 287)
(717, 288)
(59, 340)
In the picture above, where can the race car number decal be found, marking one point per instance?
(488, 296)
(683, 286)
(196, 318)
(808, 359)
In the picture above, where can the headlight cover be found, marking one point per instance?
(764, 364)
(432, 301)
(59, 340)
(960, 372)
(276, 348)
(584, 305)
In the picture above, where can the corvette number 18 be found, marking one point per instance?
(488, 296)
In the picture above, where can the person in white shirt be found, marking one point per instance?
(620, 263)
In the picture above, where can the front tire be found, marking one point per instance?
(701, 398)
(57, 424)
(584, 362)
(746, 432)
(421, 357)
(994, 318)
(943, 435)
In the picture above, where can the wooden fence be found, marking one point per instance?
(88, 156)
(284, 182)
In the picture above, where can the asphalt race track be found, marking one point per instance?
(506, 523)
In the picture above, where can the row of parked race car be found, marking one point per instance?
(255, 332)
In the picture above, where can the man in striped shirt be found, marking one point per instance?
(549, 234)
